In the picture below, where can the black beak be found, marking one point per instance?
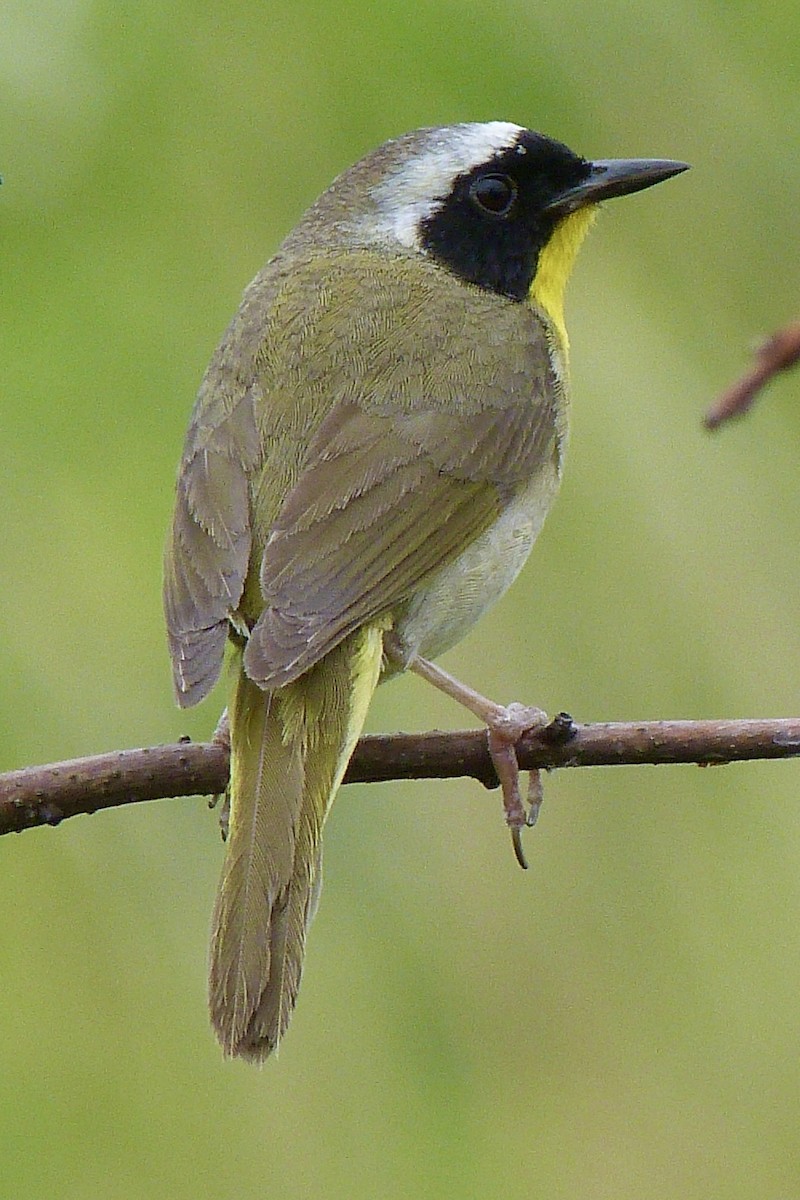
(614, 177)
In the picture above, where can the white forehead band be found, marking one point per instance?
(416, 189)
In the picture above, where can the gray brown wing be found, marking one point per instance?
(340, 460)
(208, 549)
(396, 485)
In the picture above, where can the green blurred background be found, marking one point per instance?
(621, 1021)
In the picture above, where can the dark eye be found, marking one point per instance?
(494, 194)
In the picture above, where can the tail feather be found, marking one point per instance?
(289, 751)
(288, 927)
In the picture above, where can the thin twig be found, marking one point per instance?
(47, 795)
(777, 353)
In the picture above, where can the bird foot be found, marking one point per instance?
(222, 737)
(505, 726)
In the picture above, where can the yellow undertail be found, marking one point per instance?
(289, 751)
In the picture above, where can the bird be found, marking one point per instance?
(373, 450)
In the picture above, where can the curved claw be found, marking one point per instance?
(224, 812)
(519, 853)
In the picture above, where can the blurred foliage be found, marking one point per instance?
(620, 1022)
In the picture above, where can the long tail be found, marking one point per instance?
(289, 751)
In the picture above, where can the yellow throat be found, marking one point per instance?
(555, 266)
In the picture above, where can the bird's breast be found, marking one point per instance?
(444, 609)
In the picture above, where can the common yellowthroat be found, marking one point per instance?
(372, 453)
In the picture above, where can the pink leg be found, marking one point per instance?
(505, 726)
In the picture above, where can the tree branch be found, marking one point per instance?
(777, 353)
(47, 795)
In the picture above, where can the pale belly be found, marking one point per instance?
(445, 609)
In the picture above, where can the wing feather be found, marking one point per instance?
(383, 502)
(330, 469)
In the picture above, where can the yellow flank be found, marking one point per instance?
(555, 266)
(306, 707)
(366, 671)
